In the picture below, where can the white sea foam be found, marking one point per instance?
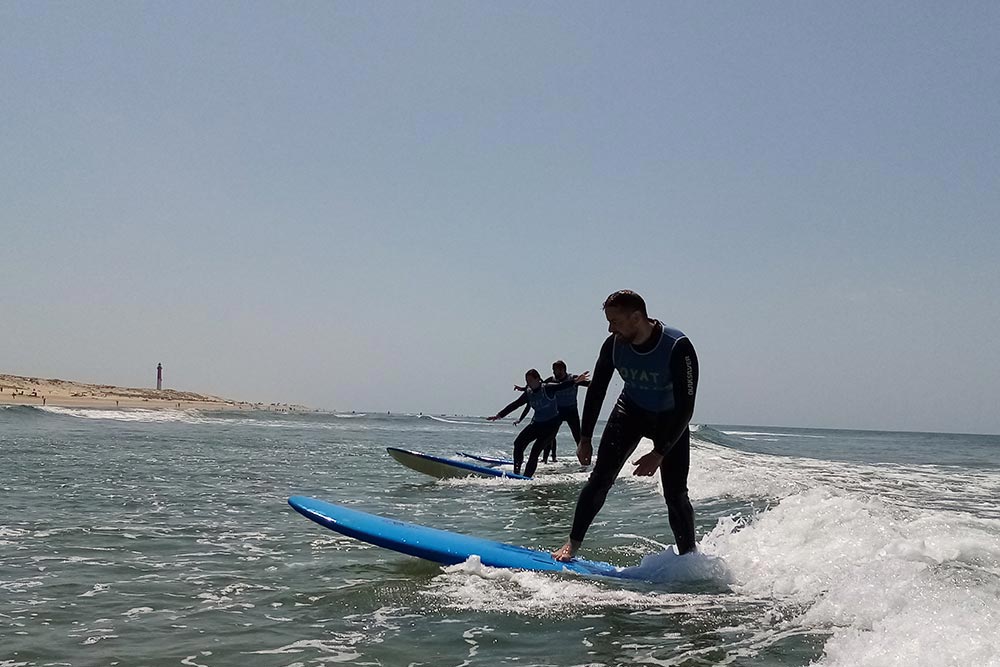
(773, 435)
(893, 565)
(170, 415)
(6, 531)
(96, 590)
(719, 472)
(668, 567)
(472, 585)
(135, 612)
(450, 421)
(190, 660)
(132, 414)
(896, 580)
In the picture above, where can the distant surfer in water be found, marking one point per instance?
(660, 370)
(540, 397)
(567, 404)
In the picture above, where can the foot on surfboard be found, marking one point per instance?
(566, 552)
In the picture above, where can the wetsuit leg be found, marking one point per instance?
(571, 416)
(527, 434)
(551, 447)
(621, 435)
(547, 449)
(673, 475)
(544, 433)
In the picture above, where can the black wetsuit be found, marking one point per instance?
(568, 414)
(540, 431)
(628, 423)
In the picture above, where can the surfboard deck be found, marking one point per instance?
(439, 546)
(488, 460)
(442, 468)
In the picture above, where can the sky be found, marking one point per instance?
(403, 206)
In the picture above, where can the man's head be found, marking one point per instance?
(559, 370)
(533, 379)
(626, 313)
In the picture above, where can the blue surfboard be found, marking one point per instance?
(440, 467)
(440, 546)
(488, 460)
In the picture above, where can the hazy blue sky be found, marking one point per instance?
(402, 206)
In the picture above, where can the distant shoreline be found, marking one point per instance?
(25, 390)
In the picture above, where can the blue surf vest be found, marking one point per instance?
(566, 398)
(544, 406)
(648, 381)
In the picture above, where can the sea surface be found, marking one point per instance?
(138, 537)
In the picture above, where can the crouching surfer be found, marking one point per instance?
(660, 370)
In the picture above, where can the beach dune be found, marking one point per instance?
(23, 390)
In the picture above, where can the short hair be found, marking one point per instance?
(533, 371)
(560, 363)
(627, 300)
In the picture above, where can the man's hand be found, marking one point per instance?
(584, 450)
(647, 464)
(493, 418)
(582, 377)
(517, 422)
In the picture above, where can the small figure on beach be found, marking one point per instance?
(660, 370)
(545, 421)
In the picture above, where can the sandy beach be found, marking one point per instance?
(23, 390)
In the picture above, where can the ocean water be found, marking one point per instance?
(136, 537)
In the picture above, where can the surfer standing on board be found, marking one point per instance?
(660, 370)
(540, 397)
(568, 410)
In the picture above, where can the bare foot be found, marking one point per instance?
(565, 553)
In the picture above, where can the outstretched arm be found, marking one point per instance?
(552, 386)
(513, 405)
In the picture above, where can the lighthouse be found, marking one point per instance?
(159, 377)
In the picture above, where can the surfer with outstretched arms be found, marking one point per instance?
(545, 420)
(660, 370)
(568, 410)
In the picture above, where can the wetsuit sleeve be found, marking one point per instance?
(520, 400)
(604, 368)
(684, 370)
(552, 387)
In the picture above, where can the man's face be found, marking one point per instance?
(623, 324)
(559, 372)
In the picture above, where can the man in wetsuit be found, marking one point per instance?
(545, 421)
(660, 370)
(566, 402)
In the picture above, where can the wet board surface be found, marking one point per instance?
(488, 460)
(442, 468)
(440, 546)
